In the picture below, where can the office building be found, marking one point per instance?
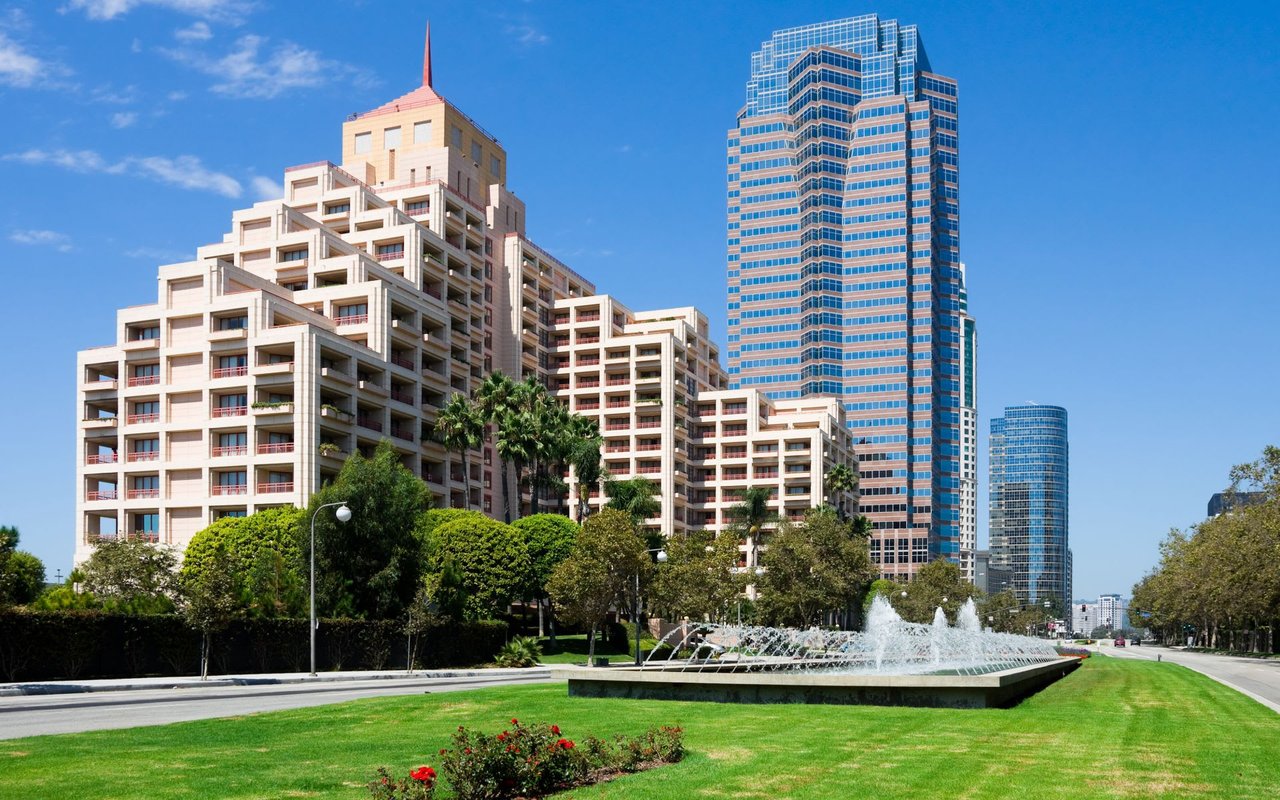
(1028, 501)
(844, 273)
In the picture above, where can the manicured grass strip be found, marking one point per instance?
(1114, 728)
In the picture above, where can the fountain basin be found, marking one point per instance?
(727, 683)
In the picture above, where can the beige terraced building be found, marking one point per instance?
(352, 308)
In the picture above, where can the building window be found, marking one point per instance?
(233, 479)
(232, 323)
(364, 143)
(232, 512)
(495, 166)
(456, 136)
(422, 132)
(147, 523)
(233, 401)
(477, 153)
(335, 208)
(391, 138)
(145, 334)
(301, 255)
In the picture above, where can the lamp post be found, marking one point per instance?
(343, 514)
(662, 559)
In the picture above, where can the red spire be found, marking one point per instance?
(426, 58)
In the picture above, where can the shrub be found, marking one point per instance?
(420, 785)
(533, 761)
(521, 651)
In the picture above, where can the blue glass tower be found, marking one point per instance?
(844, 273)
(1029, 501)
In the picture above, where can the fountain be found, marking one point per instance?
(892, 662)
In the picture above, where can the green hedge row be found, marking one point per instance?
(53, 645)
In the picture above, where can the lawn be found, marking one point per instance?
(1112, 729)
(572, 649)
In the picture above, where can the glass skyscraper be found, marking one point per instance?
(1029, 501)
(844, 269)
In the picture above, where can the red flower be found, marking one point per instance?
(467, 751)
(515, 721)
(564, 743)
(502, 737)
(443, 751)
(424, 774)
(555, 730)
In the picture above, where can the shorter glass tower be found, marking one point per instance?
(1029, 502)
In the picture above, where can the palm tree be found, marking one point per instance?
(841, 479)
(583, 455)
(753, 513)
(635, 496)
(493, 398)
(516, 442)
(461, 429)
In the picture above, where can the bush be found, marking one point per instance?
(490, 557)
(521, 651)
(532, 761)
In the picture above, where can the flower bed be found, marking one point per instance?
(530, 761)
(1067, 650)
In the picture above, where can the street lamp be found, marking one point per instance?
(343, 514)
(662, 559)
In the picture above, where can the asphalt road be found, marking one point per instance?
(1255, 677)
(38, 715)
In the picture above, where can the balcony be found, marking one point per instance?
(102, 458)
(100, 422)
(332, 412)
(142, 380)
(140, 419)
(101, 494)
(134, 345)
(277, 368)
(231, 450)
(100, 385)
(390, 255)
(230, 411)
(141, 494)
(369, 422)
(588, 361)
(135, 456)
(617, 404)
(231, 334)
(590, 316)
(276, 487)
(649, 423)
(623, 381)
(401, 361)
(275, 448)
(648, 470)
(351, 319)
(277, 407)
(152, 537)
(401, 396)
(229, 489)
(225, 372)
(402, 432)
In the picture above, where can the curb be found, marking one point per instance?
(85, 687)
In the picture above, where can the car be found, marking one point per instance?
(1119, 642)
(1135, 642)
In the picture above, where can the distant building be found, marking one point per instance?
(1028, 502)
(988, 578)
(1113, 612)
(1228, 501)
(1084, 617)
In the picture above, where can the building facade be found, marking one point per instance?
(844, 273)
(1028, 501)
(352, 308)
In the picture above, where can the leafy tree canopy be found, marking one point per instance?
(938, 583)
(263, 555)
(812, 567)
(490, 558)
(549, 538)
(699, 578)
(131, 576)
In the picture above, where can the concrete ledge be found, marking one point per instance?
(992, 690)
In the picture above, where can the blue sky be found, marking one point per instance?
(1118, 177)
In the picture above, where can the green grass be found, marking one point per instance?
(1114, 728)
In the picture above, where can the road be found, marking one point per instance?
(1258, 678)
(38, 715)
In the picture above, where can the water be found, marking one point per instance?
(888, 646)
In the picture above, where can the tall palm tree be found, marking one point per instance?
(461, 429)
(635, 496)
(583, 456)
(753, 513)
(493, 398)
(516, 442)
(841, 479)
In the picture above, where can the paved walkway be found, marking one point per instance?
(1255, 677)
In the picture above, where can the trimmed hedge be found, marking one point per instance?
(60, 645)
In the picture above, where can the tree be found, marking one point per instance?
(841, 480)
(460, 427)
(600, 571)
(491, 558)
(881, 587)
(812, 567)
(263, 554)
(635, 497)
(25, 577)
(131, 576)
(210, 600)
(751, 514)
(549, 539)
(493, 398)
(8, 545)
(699, 579)
(938, 583)
(369, 567)
(1000, 612)
(584, 457)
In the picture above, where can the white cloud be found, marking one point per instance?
(110, 95)
(123, 119)
(265, 188)
(158, 254)
(186, 172)
(232, 11)
(176, 96)
(42, 238)
(252, 70)
(195, 32)
(136, 46)
(527, 35)
(20, 68)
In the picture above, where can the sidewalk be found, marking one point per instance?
(269, 679)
